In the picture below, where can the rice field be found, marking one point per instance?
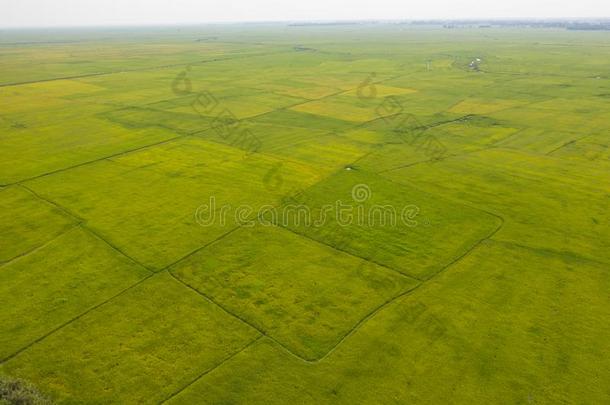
(269, 213)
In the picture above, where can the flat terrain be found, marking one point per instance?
(166, 236)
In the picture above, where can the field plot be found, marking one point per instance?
(482, 107)
(285, 213)
(409, 140)
(304, 294)
(398, 226)
(539, 140)
(145, 119)
(593, 149)
(345, 108)
(169, 182)
(557, 120)
(290, 118)
(27, 223)
(569, 206)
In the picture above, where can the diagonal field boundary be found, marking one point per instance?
(234, 315)
(63, 325)
(209, 370)
(83, 226)
(75, 223)
(411, 291)
(366, 259)
(41, 246)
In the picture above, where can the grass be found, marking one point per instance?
(27, 223)
(116, 286)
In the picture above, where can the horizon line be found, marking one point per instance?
(312, 22)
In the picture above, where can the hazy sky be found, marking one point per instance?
(27, 13)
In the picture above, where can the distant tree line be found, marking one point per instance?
(569, 24)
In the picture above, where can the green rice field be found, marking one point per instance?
(306, 214)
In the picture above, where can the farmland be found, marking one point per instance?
(269, 213)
